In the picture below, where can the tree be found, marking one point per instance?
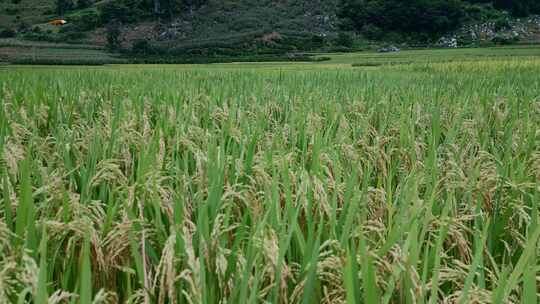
(113, 33)
(7, 33)
(345, 40)
(62, 6)
(157, 6)
(430, 17)
(519, 8)
(81, 4)
(115, 11)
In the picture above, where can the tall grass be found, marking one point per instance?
(402, 184)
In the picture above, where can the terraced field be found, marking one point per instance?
(26, 52)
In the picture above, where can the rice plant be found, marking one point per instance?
(412, 183)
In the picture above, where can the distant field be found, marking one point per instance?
(435, 55)
(273, 182)
(17, 51)
(13, 42)
(21, 51)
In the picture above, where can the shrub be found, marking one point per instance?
(345, 39)
(121, 11)
(34, 36)
(397, 37)
(372, 32)
(502, 40)
(86, 20)
(70, 28)
(112, 11)
(321, 59)
(367, 64)
(501, 24)
(113, 33)
(143, 47)
(244, 23)
(22, 27)
(318, 40)
(419, 16)
(72, 37)
(63, 6)
(7, 33)
(81, 4)
(12, 10)
(477, 12)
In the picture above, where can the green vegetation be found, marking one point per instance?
(179, 30)
(21, 52)
(271, 183)
(42, 53)
(427, 56)
(422, 20)
(16, 12)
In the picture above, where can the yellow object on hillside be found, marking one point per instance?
(58, 22)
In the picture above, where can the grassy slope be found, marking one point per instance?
(237, 16)
(238, 25)
(30, 11)
(214, 18)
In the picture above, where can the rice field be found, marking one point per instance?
(426, 56)
(276, 183)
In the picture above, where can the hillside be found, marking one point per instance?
(242, 28)
(208, 21)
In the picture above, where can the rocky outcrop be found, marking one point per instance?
(389, 49)
(503, 31)
(447, 42)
